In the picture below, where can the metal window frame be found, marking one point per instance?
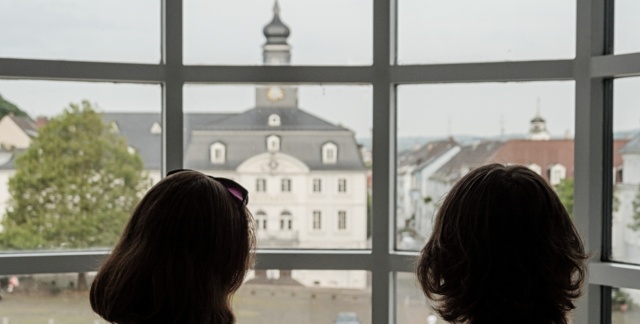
(592, 70)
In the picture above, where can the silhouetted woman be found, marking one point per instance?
(182, 255)
(503, 250)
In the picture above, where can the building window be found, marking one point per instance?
(261, 185)
(217, 153)
(342, 220)
(329, 153)
(273, 143)
(342, 185)
(557, 173)
(317, 185)
(535, 168)
(156, 129)
(274, 120)
(285, 185)
(317, 220)
(261, 220)
(286, 221)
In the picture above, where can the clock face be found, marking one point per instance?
(275, 94)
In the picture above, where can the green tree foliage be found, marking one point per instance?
(7, 107)
(564, 189)
(635, 223)
(74, 187)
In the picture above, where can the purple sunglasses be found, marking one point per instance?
(235, 189)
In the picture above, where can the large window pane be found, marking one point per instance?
(446, 130)
(480, 31)
(74, 161)
(411, 305)
(626, 160)
(627, 26)
(303, 152)
(327, 32)
(304, 296)
(98, 30)
(625, 306)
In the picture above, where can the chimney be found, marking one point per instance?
(41, 121)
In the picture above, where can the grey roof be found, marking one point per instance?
(136, 129)
(426, 154)
(276, 31)
(26, 124)
(470, 156)
(257, 119)
(632, 147)
(301, 135)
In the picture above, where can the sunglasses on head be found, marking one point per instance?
(235, 189)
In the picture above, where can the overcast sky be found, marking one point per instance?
(323, 32)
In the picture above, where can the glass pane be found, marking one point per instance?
(480, 31)
(70, 175)
(327, 32)
(47, 298)
(626, 162)
(411, 305)
(304, 296)
(98, 30)
(446, 130)
(627, 26)
(303, 152)
(625, 306)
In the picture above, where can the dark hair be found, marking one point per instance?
(184, 252)
(503, 250)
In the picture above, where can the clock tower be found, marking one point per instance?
(276, 51)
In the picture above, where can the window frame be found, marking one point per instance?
(593, 70)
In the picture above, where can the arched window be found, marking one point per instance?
(274, 120)
(286, 221)
(156, 128)
(273, 143)
(261, 220)
(329, 153)
(217, 153)
(535, 168)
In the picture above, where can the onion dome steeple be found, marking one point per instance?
(538, 130)
(276, 31)
(276, 51)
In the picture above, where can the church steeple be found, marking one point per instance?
(538, 130)
(276, 51)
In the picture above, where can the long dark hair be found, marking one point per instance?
(503, 250)
(184, 252)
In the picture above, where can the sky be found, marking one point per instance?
(323, 32)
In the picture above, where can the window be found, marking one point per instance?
(217, 153)
(286, 221)
(569, 59)
(557, 173)
(342, 220)
(261, 185)
(317, 185)
(535, 168)
(342, 185)
(274, 120)
(261, 220)
(329, 153)
(317, 220)
(285, 185)
(156, 128)
(273, 143)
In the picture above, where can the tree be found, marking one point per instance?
(635, 222)
(74, 187)
(564, 189)
(7, 107)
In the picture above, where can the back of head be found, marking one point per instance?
(503, 250)
(185, 250)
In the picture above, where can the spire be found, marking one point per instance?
(276, 9)
(276, 31)
(538, 129)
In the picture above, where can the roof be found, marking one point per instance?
(543, 153)
(470, 157)
(136, 129)
(426, 153)
(26, 124)
(257, 119)
(632, 147)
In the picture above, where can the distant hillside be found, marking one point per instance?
(7, 107)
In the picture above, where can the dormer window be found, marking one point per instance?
(329, 153)
(557, 173)
(156, 129)
(113, 128)
(535, 168)
(217, 152)
(273, 143)
(274, 120)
